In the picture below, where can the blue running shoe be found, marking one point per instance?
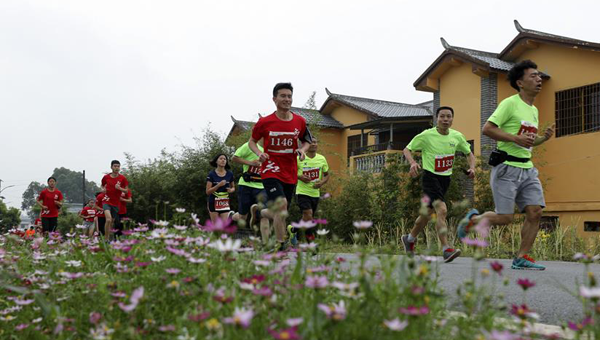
(293, 238)
(466, 223)
(523, 263)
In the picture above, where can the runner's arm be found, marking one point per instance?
(231, 189)
(210, 189)
(39, 202)
(240, 160)
(324, 180)
(547, 135)
(494, 132)
(262, 156)
(126, 200)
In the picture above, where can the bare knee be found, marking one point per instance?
(533, 213)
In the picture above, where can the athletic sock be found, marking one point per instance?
(411, 238)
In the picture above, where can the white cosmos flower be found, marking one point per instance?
(73, 263)
(158, 259)
(362, 224)
(227, 246)
(180, 210)
(322, 232)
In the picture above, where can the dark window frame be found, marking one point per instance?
(577, 110)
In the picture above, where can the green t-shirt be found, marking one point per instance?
(313, 168)
(438, 150)
(244, 152)
(514, 116)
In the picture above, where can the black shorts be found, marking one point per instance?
(435, 186)
(101, 224)
(248, 196)
(276, 188)
(49, 224)
(306, 202)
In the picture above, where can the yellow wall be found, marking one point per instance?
(329, 141)
(460, 89)
(349, 116)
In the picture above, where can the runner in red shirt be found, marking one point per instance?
(113, 184)
(281, 133)
(50, 199)
(123, 200)
(88, 213)
(100, 219)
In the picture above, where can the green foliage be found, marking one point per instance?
(9, 217)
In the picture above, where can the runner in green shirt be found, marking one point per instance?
(251, 192)
(313, 173)
(438, 147)
(514, 179)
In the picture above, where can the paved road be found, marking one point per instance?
(551, 297)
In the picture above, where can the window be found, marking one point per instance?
(578, 110)
(591, 226)
(354, 144)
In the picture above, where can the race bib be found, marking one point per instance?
(282, 142)
(444, 163)
(221, 203)
(311, 173)
(526, 127)
(254, 169)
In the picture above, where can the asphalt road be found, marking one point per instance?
(551, 297)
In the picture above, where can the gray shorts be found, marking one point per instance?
(114, 211)
(88, 224)
(512, 185)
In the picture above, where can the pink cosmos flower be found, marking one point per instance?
(95, 317)
(336, 312)
(167, 328)
(24, 302)
(578, 327)
(134, 300)
(523, 312)
(176, 251)
(320, 221)
(142, 264)
(285, 334)
(71, 276)
(199, 317)
(475, 242)
(316, 282)
(21, 327)
(220, 226)
(362, 224)
(119, 294)
(414, 311)
(195, 260)
(483, 227)
(497, 267)
(172, 271)
(396, 324)
(180, 227)
(294, 322)
(241, 317)
(263, 291)
(501, 335)
(525, 283)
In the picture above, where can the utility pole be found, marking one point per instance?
(83, 188)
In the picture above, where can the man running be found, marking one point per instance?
(114, 184)
(51, 200)
(251, 191)
(281, 133)
(514, 179)
(313, 173)
(438, 146)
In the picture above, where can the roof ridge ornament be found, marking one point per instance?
(518, 26)
(327, 91)
(445, 43)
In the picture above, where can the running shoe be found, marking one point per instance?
(409, 247)
(450, 254)
(466, 223)
(293, 234)
(523, 263)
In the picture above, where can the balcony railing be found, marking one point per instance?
(372, 162)
(379, 147)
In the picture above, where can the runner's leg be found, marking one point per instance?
(533, 215)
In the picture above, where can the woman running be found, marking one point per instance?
(219, 184)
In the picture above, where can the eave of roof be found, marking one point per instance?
(377, 123)
(528, 37)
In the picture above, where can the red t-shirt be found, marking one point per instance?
(280, 140)
(48, 197)
(88, 214)
(123, 205)
(37, 222)
(113, 194)
(100, 199)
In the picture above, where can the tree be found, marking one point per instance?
(29, 197)
(310, 102)
(9, 217)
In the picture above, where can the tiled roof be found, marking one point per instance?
(315, 117)
(381, 108)
(242, 124)
(489, 58)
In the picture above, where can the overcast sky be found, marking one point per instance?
(82, 82)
